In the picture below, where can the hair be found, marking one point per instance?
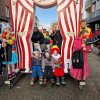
(36, 28)
(83, 20)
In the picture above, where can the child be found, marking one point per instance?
(48, 67)
(10, 59)
(79, 44)
(37, 67)
(57, 64)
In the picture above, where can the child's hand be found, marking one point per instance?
(83, 45)
(53, 70)
(4, 44)
(84, 49)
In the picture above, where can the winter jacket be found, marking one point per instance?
(37, 37)
(36, 62)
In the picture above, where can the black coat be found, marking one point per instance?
(57, 38)
(37, 37)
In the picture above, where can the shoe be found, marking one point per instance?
(63, 81)
(10, 77)
(13, 74)
(40, 82)
(45, 82)
(31, 83)
(58, 82)
(52, 81)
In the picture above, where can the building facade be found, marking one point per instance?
(4, 10)
(91, 13)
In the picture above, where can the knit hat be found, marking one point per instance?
(55, 47)
(36, 51)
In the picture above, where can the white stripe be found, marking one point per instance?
(63, 5)
(25, 43)
(27, 5)
(19, 14)
(68, 19)
(59, 1)
(73, 16)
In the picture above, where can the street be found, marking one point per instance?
(23, 91)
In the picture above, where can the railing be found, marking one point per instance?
(96, 13)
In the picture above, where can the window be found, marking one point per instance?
(7, 11)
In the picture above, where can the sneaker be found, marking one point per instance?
(63, 82)
(45, 81)
(40, 82)
(13, 74)
(31, 83)
(10, 77)
(58, 82)
(52, 81)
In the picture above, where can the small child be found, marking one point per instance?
(48, 71)
(37, 67)
(57, 64)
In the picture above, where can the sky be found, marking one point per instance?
(46, 16)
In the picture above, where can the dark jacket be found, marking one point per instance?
(36, 62)
(57, 38)
(37, 37)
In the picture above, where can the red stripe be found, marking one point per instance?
(75, 11)
(23, 49)
(16, 33)
(66, 20)
(24, 7)
(63, 1)
(70, 16)
(21, 17)
(63, 35)
(29, 3)
(27, 39)
(69, 48)
(67, 5)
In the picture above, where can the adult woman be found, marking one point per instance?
(81, 74)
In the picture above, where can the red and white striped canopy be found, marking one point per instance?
(22, 18)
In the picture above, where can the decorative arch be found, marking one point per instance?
(23, 18)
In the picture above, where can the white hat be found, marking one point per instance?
(36, 51)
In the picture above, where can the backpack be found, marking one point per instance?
(77, 59)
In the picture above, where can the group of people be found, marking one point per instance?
(46, 58)
(8, 55)
(47, 54)
(49, 50)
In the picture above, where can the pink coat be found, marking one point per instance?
(80, 74)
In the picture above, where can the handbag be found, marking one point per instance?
(77, 59)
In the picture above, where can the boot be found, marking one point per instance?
(63, 81)
(57, 81)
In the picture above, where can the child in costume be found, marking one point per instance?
(10, 55)
(37, 67)
(79, 44)
(48, 70)
(57, 65)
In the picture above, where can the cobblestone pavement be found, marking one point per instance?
(23, 91)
